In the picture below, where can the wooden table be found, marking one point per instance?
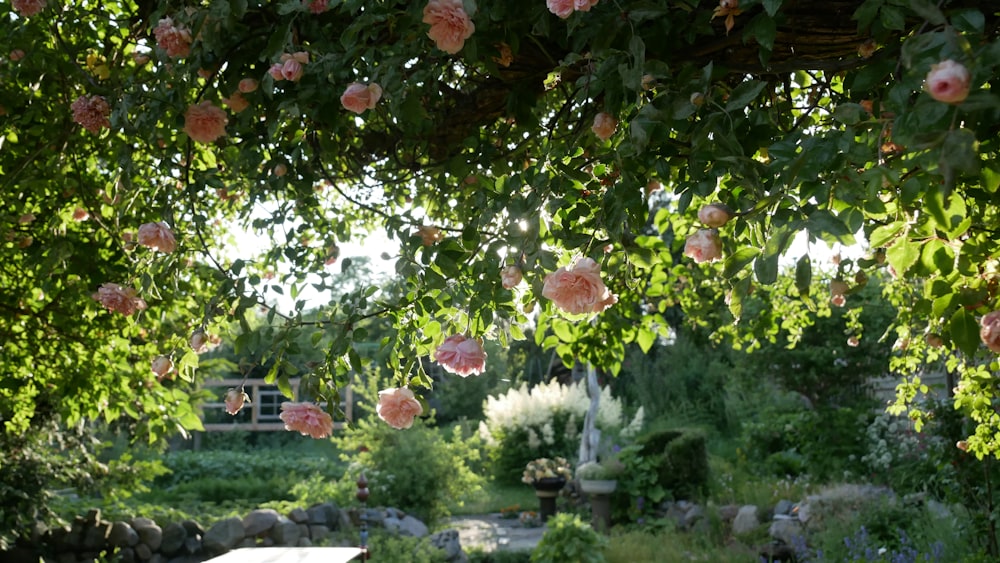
(290, 555)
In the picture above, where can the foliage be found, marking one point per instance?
(392, 547)
(595, 471)
(187, 466)
(680, 458)
(569, 539)
(546, 419)
(499, 556)
(908, 461)
(389, 459)
(545, 468)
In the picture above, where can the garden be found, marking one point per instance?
(630, 280)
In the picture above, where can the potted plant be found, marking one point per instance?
(548, 477)
(596, 478)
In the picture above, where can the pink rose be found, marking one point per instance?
(157, 236)
(854, 342)
(247, 85)
(704, 246)
(948, 82)
(307, 419)
(161, 366)
(16, 55)
(838, 289)
(80, 214)
(198, 341)
(429, 235)
(715, 214)
(584, 5)
(291, 70)
(990, 331)
(460, 355)
(205, 122)
(235, 399)
(561, 8)
(358, 97)
(578, 289)
(279, 170)
(175, 40)
(510, 276)
(450, 25)
(604, 126)
(301, 56)
(397, 407)
(838, 300)
(275, 72)
(119, 299)
(28, 8)
(318, 6)
(92, 113)
(236, 102)
(934, 340)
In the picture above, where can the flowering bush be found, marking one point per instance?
(524, 421)
(545, 468)
(907, 460)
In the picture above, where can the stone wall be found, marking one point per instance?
(142, 540)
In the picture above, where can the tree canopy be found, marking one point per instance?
(671, 150)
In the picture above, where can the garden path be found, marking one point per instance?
(491, 533)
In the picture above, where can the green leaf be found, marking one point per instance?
(965, 331)
(927, 10)
(803, 275)
(969, 21)
(771, 6)
(829, 227)
(766, 265)
(885, 234)
(738, 260)
(744, 94)
(645, 339)
(903, 255)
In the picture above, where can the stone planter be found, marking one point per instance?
(547, 490)
(598, 487)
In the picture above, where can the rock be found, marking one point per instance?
(325, 513)
(787, 529)
(127, 555)
(193, 528)
(303, 542)
(223, 536)
(174, 535)
(66, 558)
(140, 522)
(692, 517)
(93, 516)
(74, 539)
(391, 523)
(343, 521)
(727, 513)
(267, 542)
(303, 530)
(143, 552)
(192, 545)
(19, 555)
(778, 553)
(938, 510)
(318, 532)
(122, 535)
(449, 542)
(186, 559)
(247, 542)
(410, 526)
(298, 516)
(259, 521)
(149, 534)
(157, 558)
(784, 507)
(96, 536)
(746, 520)
(285, 532)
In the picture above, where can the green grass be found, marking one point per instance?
(495, 496)
(668, 546)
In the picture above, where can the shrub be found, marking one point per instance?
(416, 470)
(477, 555)
(391, 547)
(545, 421)
(569, 540)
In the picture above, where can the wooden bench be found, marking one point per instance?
(290, 555)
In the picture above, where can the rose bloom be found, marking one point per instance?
(205, 122)
(291, 70)
(247, 85)
(460, 355)
(26, 218)
(161, 366)
(235, 399)
(318, 6)
(301, 56)
(704, 246)
(854, 342)
(510, 276)
(92, 113)
(429, 235)
(307, 419)
(275, 72)
(16, 55)
(561, 8)
(715, 214)
(157, 236)
(584, 5)
(838, 300)
(604, 126)
(962, 445)
(398, 407)
(80, 214)
(119, 299)
(934, 340)
(358, 97)
(578, 289)
(838, 287)
(450, 25)
(990, 331)
(198, 341)
(28, 8)
(175, 40)
(948, 82)
(236, 102)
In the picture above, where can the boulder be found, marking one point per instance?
(303, 542)
(93, 516)
(174, 535)
(728, 512)
(746, 520)
(150, 534)
(127, 555)
(259, 521)
(192, 545)
(19, 555)
(140, 522)
(449, 542)
(96, 536)
(122, 535)
(193, 528)
(285, 532)
(318, 532)
(247, 542)
(787, 529)
(223, 536)
(783, 508)
(186, 559)
(298, 516)
(692, 517)
(325, 513)
(143, 552)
